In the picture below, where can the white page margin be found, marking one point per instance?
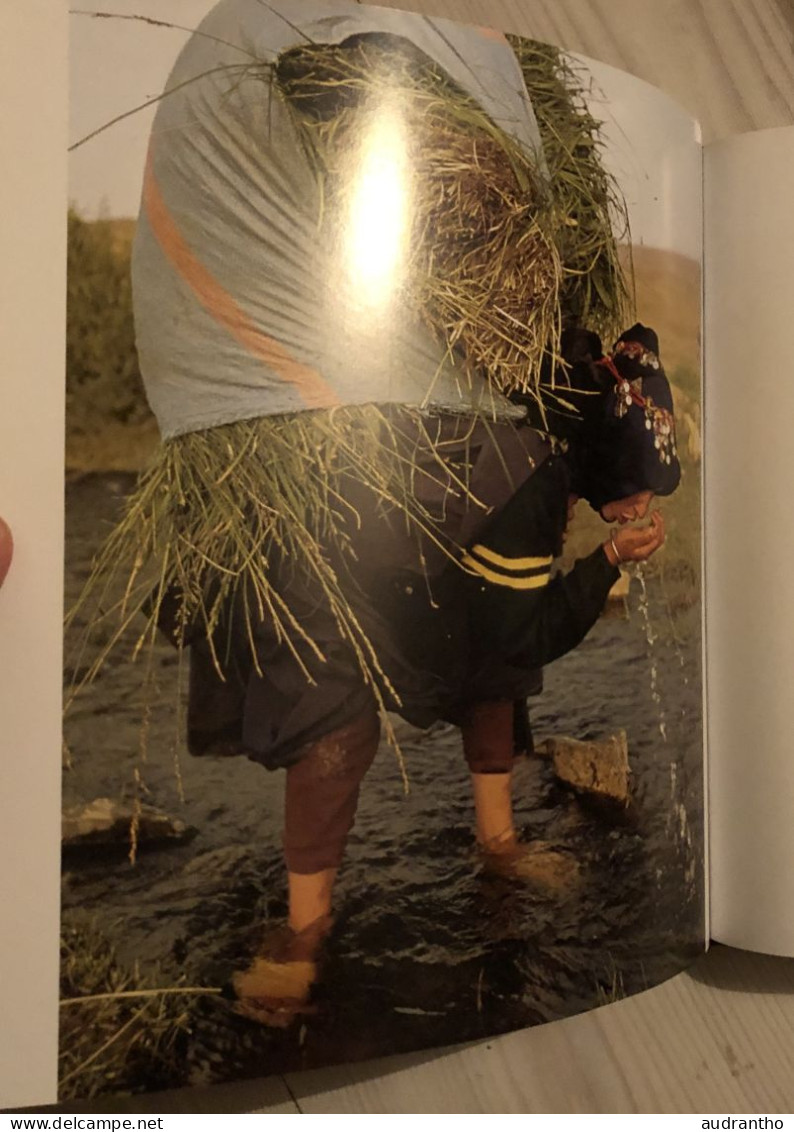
(33, 80)
(749, 265)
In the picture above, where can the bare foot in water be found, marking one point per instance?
(276, 987)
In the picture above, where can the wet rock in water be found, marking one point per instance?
(105, 824)
(599, 768)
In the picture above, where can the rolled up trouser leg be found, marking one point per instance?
(322, 794)
(487, 730)
(523, 743)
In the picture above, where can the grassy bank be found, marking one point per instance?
(108, 423)
(117, 1033)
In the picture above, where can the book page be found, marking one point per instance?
(749, 251)
(264, 286)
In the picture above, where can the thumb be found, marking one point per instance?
(6, 549)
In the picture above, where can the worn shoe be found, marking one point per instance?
(276, 987)
(543, 864)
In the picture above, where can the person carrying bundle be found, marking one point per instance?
(349, 275)
(470, 640)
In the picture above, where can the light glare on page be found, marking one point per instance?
(376, 230)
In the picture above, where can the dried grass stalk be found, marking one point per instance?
(219, 507)
(483, 270)
(126, 1035)
(589, 218)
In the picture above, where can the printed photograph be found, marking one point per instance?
(383, 698)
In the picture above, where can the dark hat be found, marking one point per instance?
(628, 442)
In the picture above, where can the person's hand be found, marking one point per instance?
(6, 549)
(635, 544)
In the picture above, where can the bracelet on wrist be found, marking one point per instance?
(615, 550)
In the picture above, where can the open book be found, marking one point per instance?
(589, 205)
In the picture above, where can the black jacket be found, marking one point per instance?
(445, 632)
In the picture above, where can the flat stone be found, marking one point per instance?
(105, 823)
(598, 768)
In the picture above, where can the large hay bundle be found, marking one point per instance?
(498, 255)
(482, 268)
(217, 507)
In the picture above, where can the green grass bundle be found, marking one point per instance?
(589, 216)
(217, 507)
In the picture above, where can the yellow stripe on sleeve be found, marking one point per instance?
(510, 563)
(535, 582)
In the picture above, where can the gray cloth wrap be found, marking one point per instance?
(236, 311)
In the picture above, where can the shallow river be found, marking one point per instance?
(426, 949)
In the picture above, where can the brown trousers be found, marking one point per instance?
(489, 737)
(322, 794)
(323, 786)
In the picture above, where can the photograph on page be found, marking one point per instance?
(383, 677)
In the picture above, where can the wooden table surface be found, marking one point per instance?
(719, 1038)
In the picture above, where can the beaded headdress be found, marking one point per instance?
(628, 391)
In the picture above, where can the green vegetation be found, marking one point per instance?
(107, 416)
(589, 215)
(687, 380)
(121, 1038)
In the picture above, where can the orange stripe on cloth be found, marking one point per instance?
(313, 388)
(492, 33)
